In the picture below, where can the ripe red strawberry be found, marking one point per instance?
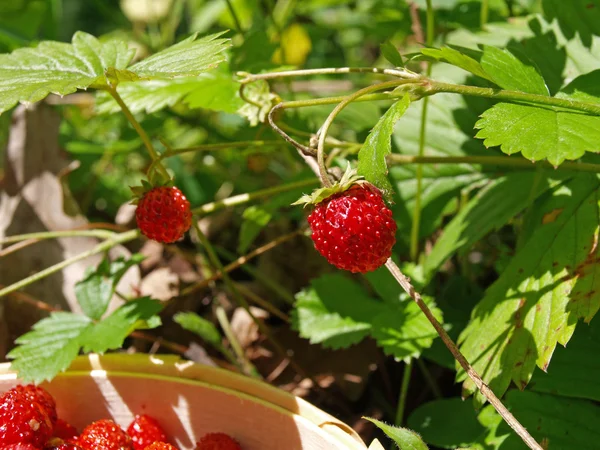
(63, 446)
(41, 396)
(144, 430)
(20, 447)
(354, 229)
(160, 446)
(22, 419)
(64, 430)
(163, 214)
(217, 441)
(104, 435)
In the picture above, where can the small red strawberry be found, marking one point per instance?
(104, 435)
(41, 396)
(217, 441)
(19, 447)
(160, 446)
(163, 213)
(351, 225)
(64, 446)
(144, 430)
(23, 420)
(64, 430)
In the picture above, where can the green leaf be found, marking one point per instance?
(391, 53)
(576, 18)
(262, 101)
(200, 326)
(501, 200)
(255, 219)
(510, 72)
(549, 284)
(404, 438)
(95, 291)
(325, 315)
(110, 333)
(371, 158)
(214, 91)
(459, 59)
(29, 74)
(190, 57)
(447, 423)
(50, 347)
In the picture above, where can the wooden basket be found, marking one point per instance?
(191, 400)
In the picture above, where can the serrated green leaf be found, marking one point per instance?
(549, 284)
(404, 438)
(459, 59)
(337, 312)
(576, 18)
(501, 200)
(510, 72)
(190, 57)
(391, 53)
(95, 291)
(200, 326)
(371, 157)
(110, 333)
(262, 99)
(217, 92)
(50, 347)
(447, 423)
(30, 74)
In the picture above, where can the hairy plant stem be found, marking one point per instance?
(403, 392)
(327, 124)
(102, 247)
(101, 234)
(396, 158)
(247, 367)
(140, 131)
(405, 283)
(400, 73)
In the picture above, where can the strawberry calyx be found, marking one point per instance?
(348, 180)
(147, 186)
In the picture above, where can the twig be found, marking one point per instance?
(400, 73)
(302, 148)
(404, 282)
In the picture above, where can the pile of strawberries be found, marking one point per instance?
(28, 421)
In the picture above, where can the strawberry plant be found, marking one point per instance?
(446, 156)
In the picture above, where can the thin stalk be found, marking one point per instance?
(435, 87)
(138, 128)
(437, 393)
(403, 393)
(485, 9)
(493, 160)
(416, 222)
(400, 73)
(327, 124)
(236, 19)
(102, 247)
(395, 95)
(405, 283)
(247, 367)
(251, 196)
(221, 146)
(101, 234)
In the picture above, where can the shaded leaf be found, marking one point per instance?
(255, 218)
(551, 282)
(391, 53)
(371, 158)
(404, 438)
(200, 326)
(459, 59)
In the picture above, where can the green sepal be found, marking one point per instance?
(147, 185)
(349, 179)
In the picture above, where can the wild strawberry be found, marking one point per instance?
(64, 430)
(104, 435)
(64, 446)
(20, 447)
(217, 441)
(163, 214)
(160, 446)
(351, 225)
(41, 396)
(144, 430)
(23, 420)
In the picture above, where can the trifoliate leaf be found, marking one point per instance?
(29, 74)
(336, 312)
(404, 438)
(549, 284)
(110, 333)
(371, 157)
(190, 57)
(50, 347)
(217, 92)
(200, 326)
(97, 288)
(510, 72)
